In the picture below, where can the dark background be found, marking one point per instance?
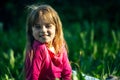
(91, 29)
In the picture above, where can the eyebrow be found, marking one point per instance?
(45, 24)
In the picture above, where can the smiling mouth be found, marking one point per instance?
(43, 35)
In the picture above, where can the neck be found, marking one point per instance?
(50, 47)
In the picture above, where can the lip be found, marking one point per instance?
(43, 35)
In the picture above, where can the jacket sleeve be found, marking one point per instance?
(67, 70)
(36, 64)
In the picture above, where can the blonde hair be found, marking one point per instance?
(49, 14)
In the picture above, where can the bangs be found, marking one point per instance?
(46, 17)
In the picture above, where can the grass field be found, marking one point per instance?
(93, 50)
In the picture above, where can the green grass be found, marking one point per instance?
(90, 52)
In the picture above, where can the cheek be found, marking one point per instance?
(35, 33)
(53, 33)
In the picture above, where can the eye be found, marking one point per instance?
(37, 26)
(48, 25)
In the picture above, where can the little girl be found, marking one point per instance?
(46, 52)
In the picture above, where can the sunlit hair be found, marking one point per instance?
(47, 13)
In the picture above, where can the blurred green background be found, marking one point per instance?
(91, 29)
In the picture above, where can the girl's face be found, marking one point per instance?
(44, 32)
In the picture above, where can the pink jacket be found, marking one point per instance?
(46, 65)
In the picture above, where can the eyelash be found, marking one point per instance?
(48, 26)
(38, 26)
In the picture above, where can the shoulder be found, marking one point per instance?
(63, 50)
(39, 48)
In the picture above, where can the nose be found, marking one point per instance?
(43, 29)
